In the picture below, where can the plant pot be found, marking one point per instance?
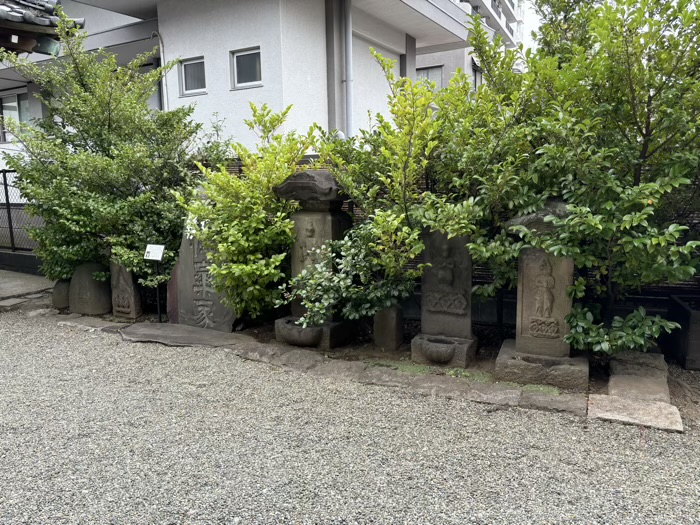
(296, 335)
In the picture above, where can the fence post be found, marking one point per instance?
(9, 211)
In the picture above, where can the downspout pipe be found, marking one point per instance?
(164, 82)
(349, 99)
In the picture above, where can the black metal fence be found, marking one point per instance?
(14, 219)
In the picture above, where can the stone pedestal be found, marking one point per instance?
(388, 329)
(539, 354)
(319, 221)
(88, 296)
(563, 372)
(446, 326)
(126, 299)
(198, 304)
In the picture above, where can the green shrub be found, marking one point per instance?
(101, 166)
(246, 229)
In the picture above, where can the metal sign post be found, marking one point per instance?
(154, 252)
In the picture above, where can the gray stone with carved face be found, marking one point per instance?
(198, 304)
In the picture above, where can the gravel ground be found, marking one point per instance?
(96, 430)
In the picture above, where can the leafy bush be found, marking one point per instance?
(101, 166)
(361, 274)
(605, 118)
(238, 218)
(383, 172)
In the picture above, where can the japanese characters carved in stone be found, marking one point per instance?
(198, 303)
(126, 299)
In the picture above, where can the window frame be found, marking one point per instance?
(184, 92)
(5, 136)
(234, 69)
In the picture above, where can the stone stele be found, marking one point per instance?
(126, 298)
(88, 296)
(320, 220)
(446, 326)
(539, 353)
(198, 304)
(543, 303)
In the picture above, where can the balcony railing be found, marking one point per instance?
(496, 8)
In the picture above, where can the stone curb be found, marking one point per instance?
(314, 363)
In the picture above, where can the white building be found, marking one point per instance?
(501, 17)
(312, 54)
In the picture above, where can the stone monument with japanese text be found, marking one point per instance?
(198, 304)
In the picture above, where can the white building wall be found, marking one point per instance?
(212, 29)
(304, 75)
(370, 85)
(96, 19)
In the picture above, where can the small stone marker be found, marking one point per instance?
(539, 354)
(446, 301)
(198, 304)
(88, 296)
(61, 289)
(320, 220)
(126, 299)
(388, 329)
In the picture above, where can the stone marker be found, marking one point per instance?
(320, 220)
(198, 304)
(388, 329)
(126, 299)
(88, 296)
(446, 327)
(59, 298)
(539, 353)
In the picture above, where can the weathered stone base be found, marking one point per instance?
(438, 350)
(333, 334)
(563, 372)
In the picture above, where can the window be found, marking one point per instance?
(246, 68)
(434, 74)
(192, 78)
(15, 107)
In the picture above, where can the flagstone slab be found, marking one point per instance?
(639, 388)
(181, 335)
(92, 324)
(8, 304)
(644, 413)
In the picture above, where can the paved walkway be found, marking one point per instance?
(14, 284)
(98, 430)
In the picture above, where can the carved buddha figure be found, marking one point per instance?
(544, 298)
(444, 265)
(307, 244)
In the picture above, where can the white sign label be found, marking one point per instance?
(154, 252)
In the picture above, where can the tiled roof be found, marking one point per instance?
(34, 12)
